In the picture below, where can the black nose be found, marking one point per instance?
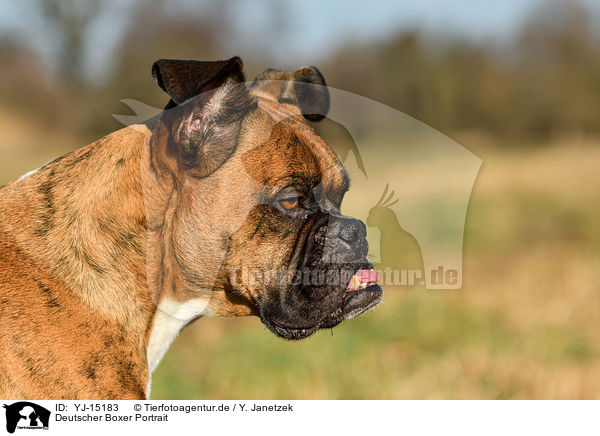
(352, 230)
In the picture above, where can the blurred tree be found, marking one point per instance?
(558, 71)
(27, 85)
(545, 81)
(160, 29)
(550, 83)
(70, 20)
(157, 29)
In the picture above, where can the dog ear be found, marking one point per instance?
(198, 131)
(184, 79)
(298, 88)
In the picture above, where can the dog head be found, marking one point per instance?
(246, 212)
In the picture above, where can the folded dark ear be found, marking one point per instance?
(184, 79)
(297, 87)
(199, 130)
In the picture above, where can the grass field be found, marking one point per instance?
(524, 325)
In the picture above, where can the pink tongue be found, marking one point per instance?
(362, 276)
(367, 275)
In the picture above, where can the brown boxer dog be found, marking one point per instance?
(225, 204)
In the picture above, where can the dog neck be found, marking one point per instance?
(96, 213)
(89, 222)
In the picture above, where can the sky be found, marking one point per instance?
(327, 23)
(312, 28)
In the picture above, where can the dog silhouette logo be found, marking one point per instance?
(26, 415)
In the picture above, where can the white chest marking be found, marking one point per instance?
(171, 316)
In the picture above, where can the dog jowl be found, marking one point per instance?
(128, 240)
(323, 275)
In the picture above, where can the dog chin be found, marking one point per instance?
(311, 307)
(354, 302)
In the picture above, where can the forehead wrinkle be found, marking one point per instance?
(331, 172)
(334, 177)
(279, 156)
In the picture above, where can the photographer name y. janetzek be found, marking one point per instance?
(271, 408)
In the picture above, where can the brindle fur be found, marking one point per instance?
(88, 246)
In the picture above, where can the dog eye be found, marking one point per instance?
(289, 204)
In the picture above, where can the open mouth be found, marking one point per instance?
(363, 279)
(363, 293)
